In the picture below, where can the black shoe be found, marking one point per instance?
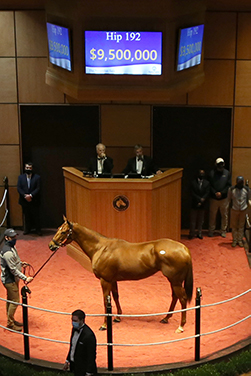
(200, 236)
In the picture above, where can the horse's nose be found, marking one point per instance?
(52, 246)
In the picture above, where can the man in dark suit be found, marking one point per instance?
(200, 188)
(101, 163)
(141, 164)
(81, 358)
(28, 187)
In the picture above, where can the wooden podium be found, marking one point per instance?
(136, 210)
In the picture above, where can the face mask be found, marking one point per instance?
(28, 172)
(12, 242)
(201, 176)
(75, 324)
(239, 185)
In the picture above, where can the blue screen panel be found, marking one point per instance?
(59, 46)
(190, 47)
(123, 52)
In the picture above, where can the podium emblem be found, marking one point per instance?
(120, 203)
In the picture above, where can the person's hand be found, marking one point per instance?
(29, 279)
(28, 198)
(159, 172)
(102, 155)
(66, 366)
(24, 264)
(218, 194)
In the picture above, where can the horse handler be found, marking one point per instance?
(11, 267)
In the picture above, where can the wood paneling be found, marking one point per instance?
(244, 35)
(125, 125)
(218, 88)
(9, 157)
(220, 35)
(243, 83)
(16, 215)
(31, 81)
(242, 127)
(8, 88)
(9, 124)
(31, 33)
(7, 43)
(241, 163)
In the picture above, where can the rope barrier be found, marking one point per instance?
(4, 196)
(6, 210)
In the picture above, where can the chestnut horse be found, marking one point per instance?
(118, 260)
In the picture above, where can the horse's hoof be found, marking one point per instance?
(103, 327)
(179, 330)
(164, 321)
(116, 319)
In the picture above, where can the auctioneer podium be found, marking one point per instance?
(136, 210)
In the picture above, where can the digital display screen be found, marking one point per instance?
(59, 46)
(123, 52)
(190, 47)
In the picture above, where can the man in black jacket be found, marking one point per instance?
(101, 163)
(141, 164)
(81, 358)
(220, 182)
(28, 187)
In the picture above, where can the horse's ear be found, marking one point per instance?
(65, 219)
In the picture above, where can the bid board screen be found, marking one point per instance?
(123, 52)
(59, 46)
(190, 47)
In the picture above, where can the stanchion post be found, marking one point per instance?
(197, 323)
(25, 289)
(109, 334)
(6, 186)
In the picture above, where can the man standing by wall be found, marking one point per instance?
(220, 182)
(28, 187)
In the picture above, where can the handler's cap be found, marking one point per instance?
(219, 160)
(10, 232)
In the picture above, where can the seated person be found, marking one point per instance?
(101, 163)
(141, 164)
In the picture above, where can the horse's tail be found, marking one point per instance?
(189, 282)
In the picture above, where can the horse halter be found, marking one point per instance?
(63, 242)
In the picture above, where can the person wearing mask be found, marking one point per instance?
(220, 181)
(81, 358)
(11, 273)
(200, 188)
(238, 196)
(101, 163)
(141, 164)
(28, 186)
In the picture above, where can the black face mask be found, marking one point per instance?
(240, 185)
(12, 242)
(201, 176)
(28, 172)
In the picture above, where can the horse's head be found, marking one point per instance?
(63, 235)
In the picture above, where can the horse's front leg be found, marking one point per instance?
(115, 295)
(106, 288)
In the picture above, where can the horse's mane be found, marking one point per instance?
(91, 233)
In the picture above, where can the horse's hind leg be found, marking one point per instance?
(115, 295)
(171, 308)
(182, 296)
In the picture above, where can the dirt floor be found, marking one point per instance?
(222, 272)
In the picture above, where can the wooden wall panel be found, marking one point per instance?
(241, 163)
(16, 215)
(244, 36)
(218, 88)
(242, 127)
(243, 83)
(220, 35)
(125, 125)
(8, 87)
(31, 81)
(9, 124)
(10, 167)
(7, 42)
(31, 34)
